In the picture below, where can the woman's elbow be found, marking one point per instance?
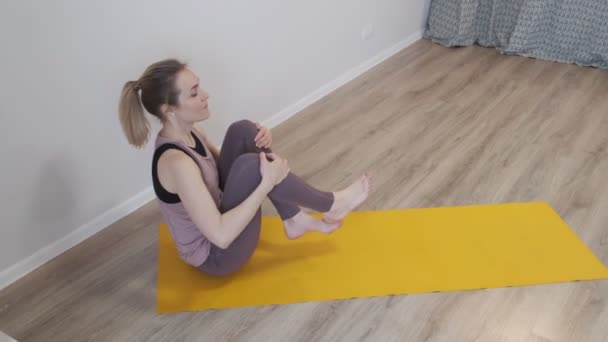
(217, 240)
(220, 240)
(223, 243)
(215, 234)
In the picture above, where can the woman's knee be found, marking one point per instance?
(243, 128)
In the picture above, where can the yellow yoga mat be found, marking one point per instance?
(389, 252)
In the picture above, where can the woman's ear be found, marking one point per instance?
(164, 110)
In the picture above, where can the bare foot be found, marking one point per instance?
(302, 223)
(348, 199)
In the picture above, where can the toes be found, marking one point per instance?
(332, 227)
(368, 182)
(330, 220)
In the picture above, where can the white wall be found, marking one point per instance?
(66, 166)
(6, 338)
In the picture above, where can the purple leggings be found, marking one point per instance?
(239, 171)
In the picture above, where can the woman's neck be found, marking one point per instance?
(178, 131)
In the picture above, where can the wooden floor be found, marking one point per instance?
(436, 127)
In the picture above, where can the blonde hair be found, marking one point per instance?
(157, 87)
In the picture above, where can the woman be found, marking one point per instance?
(210, 199)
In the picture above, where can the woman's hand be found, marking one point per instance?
(273, 171)
(264, 138)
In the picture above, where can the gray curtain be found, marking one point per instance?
(569, 31)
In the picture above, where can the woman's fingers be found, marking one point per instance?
(263, 138)
(264, 141)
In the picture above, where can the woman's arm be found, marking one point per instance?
(182, 176)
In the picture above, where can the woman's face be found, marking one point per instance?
(192, 100)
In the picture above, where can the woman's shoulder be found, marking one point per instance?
(172, 158)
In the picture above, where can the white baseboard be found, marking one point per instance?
(22, 268)
(348, 76)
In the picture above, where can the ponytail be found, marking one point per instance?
(133, 119)
(157, 86)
